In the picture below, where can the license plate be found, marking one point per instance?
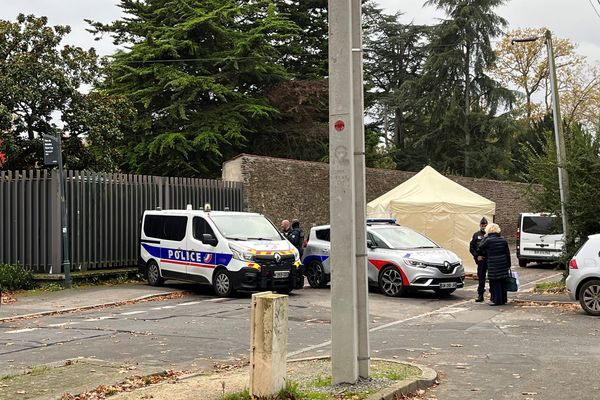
(282, 274)
(448, 285)
(544, 252)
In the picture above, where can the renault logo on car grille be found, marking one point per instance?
(446, 266)
(278, 257)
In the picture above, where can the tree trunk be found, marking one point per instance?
(467, 108)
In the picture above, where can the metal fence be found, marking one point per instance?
(103, 214)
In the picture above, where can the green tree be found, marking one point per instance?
(466, 108)
(39, 82)
(394, 60)
(583, 167)
(197, 73)
(306, 56)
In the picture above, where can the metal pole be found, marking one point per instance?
(344, 341)
(362, 287)
(66, 263)
(563, 179)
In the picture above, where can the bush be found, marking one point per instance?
(14, 277)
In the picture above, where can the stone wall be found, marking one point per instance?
(286, 189)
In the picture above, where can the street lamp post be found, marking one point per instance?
(563, 179)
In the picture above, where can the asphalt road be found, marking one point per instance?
(518, 351)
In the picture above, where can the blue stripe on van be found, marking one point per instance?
(187, 256)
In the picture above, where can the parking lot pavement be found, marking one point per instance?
(196, 330)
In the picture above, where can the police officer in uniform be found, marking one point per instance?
(480, 261)
(296, 237)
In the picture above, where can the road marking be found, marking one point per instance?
(217, 300)
(540, 280)
(23, 330)
(443, 310)
(378, 328)
(100, 318)
(63, 324)
(133, 312)
(190, 303)
(453, 310)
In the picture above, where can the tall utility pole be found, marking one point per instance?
(561, 157)
(344, 334)
(362, 287)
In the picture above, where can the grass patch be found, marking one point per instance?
(37, 370)
(9, 377)
(321, 382)
(319, 387)
(398, 372)
(550, 287)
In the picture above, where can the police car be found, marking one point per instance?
(399, 260)
(229, 250)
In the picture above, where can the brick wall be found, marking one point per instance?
(286, 189)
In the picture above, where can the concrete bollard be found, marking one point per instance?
(268, 341)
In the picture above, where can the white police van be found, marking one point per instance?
(229, 250)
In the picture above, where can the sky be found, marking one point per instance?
(571, 19)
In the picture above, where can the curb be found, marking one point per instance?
(88, 307)
(542, 301)
(426, 380)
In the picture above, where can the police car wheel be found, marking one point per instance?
(315, 274)
(153, 274)
(390, 281)
(223, 284)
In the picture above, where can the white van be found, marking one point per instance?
(539, 238)
(228, 250)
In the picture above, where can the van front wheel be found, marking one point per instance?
(153, 274)
(223, 284)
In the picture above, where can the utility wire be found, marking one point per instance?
(594, 7)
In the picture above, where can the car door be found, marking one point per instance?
(173, 254)
(203, 257)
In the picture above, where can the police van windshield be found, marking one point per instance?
(403, 238)
(247, 227)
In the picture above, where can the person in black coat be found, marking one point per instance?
(481, 264)
(495, 249)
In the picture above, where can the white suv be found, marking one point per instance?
(583, 282)
(539, 238)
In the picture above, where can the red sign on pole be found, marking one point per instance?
(339, 125)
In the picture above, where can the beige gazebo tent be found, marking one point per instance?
(440, 208)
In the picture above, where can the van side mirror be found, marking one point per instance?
(209, 239)
(370, 244)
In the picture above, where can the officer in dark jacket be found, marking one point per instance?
(296, 237)
(481, 264)
(495, 249)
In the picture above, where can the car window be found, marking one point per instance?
(168, 227)
(400, 237)
(542, 225)
(323, 234)
(246, 227)
(175, 227)
(201, 227)
(377, 241)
